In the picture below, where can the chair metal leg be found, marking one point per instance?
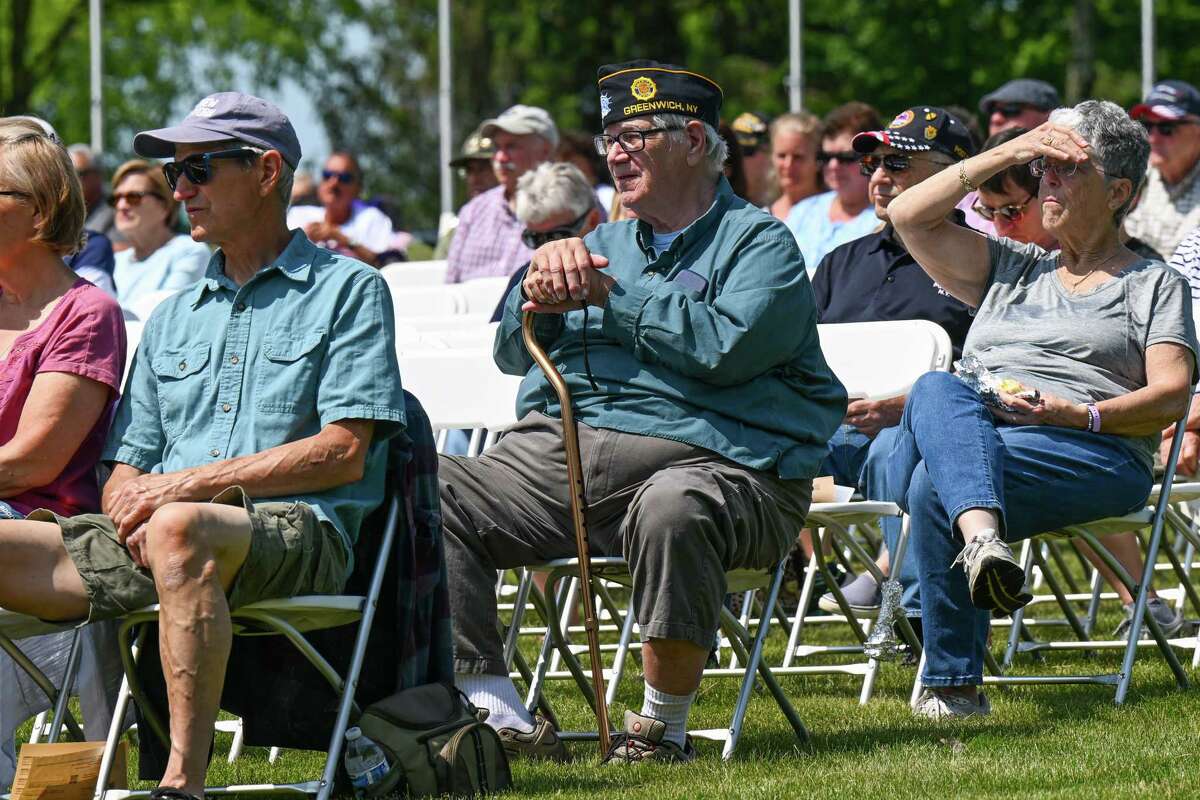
(806, 590)
(1018, 616)
(43, 683)
(1060, 596)
(68, 683)
(753, 660)
(618, 668)
(117, 726)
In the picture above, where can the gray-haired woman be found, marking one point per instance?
(1104, 336)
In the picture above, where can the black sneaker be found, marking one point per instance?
(642, 740)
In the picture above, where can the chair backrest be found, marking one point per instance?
(461, 388)
(415, 273)
(410, 302)
(133, 335)
(482, 294)
(878, 360)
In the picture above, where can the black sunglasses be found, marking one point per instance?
(132, 198)
(341, 175)
(892, 163)
(198, 168)
(843, 157)
(535, 239)
(1009, 110)
(1165, 128)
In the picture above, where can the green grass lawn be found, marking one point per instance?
(1044, 741)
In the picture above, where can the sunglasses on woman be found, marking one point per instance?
(343, 177)
(844, 157)
(892, 163)
(1164, 128)
(198, 168)
(535, 239)
(1011, 212)
(132, 198)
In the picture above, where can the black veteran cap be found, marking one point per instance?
(920, 128)
(637, 88)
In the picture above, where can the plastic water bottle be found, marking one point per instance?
(365, 762)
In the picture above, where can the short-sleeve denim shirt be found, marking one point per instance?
(224, 371)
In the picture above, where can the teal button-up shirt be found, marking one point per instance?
(224, 371)
(713, 343)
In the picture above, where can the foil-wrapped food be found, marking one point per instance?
(973, 373)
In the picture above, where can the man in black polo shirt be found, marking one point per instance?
(873, 279)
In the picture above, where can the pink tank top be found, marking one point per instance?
(84, 335)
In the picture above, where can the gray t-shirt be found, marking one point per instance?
(1082, 347)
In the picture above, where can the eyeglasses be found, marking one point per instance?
(132, 198)
(1063, 169)
(341, 175)
(535, 239)
(1011, 212)
(631, 141)
(843, 157)
(892, 163)
(1165, 128)
(198, 168)
(1009, 110)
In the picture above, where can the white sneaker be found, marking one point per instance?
(938, 706)
(994, 575)
(1163, 614)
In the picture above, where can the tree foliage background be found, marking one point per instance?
(381, 100)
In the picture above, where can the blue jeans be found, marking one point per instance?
(854, 459)
(950, 455)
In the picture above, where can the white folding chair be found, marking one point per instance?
(13, 628)
(874, 361)
(409, 302)
(415, 273)
(482, 295)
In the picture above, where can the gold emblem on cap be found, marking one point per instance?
(902, 119)
(643, 88)
(930, 132)
(930, 116)
(959, 151)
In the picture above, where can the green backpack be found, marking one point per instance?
(435, 744)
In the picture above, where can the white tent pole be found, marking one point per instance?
(97, 71)
(445, 131)
(1147, 46)
(796, 55)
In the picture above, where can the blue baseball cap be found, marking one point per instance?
(1169, 100)
(225, 115)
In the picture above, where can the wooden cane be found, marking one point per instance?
(578, 502)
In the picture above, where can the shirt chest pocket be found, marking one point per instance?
(288, 371)
(183, 386)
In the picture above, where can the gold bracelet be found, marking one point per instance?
(963, 179)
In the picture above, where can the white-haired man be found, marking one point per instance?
(487, 242)
(707, 418)
(554, 202)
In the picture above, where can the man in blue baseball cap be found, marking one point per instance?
(1170, 206)
(250, 442)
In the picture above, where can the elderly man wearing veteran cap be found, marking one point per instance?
(1170, 206)
(751, 130)
(874, 278)
(704, 413)
(487, 242)
(250, 443)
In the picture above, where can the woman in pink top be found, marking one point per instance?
(62, 340)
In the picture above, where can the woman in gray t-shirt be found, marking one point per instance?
(1105, 337)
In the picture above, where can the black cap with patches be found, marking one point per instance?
(750, 129)
(920, 129)
(638, 88)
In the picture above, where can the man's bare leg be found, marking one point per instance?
(194, 551)
(37, 577)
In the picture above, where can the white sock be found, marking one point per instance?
(497, 694)
(671, 709)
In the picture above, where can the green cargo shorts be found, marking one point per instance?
(292, 553)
